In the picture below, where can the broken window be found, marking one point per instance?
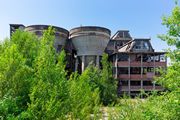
(144, 70)
(120, 34)
(150, 69)
(162, 58)
(135, 70)
(124, 82)
(123, 57)
(141, 45)
(157, 71)
(123, 70)
(135, 83)
(147, 83)
(138, 57)
(156, 58)
(147, 58)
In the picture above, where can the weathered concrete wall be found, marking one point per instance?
(61, 34)
(90, 43)
(90, 40)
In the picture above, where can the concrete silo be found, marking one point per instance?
(61, 34)
(90, 43)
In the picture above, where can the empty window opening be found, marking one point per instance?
(123, 70)
(135, 83)
(123, 57)
(147, 83)
(124, 82)
(135, 70)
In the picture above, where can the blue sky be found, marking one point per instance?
(141, 17)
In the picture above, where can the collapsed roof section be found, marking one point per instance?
(137, 45)
(122, 35)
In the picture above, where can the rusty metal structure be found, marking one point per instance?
(135, 62)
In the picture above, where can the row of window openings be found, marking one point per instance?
(136, 83)
(136, 70)
(145, 58)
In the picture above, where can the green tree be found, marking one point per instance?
(172, 37)
(15, 74)
(49, 95)
(83, 96)
(171, 79)
(108, 85)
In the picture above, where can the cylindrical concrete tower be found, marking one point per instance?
(61, 34)
(90, 43)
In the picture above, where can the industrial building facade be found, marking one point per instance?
(134, 61)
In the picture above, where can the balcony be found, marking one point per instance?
(148, 76)
(148, 64)
(136, 76)
(148, 88)
(160, 64)
(138, 88)
(138, 64)
(123, 64)
(124, 88)
(135, 88)
(159, 88)
(123, 76)
(135, 64)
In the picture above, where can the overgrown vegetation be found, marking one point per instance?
(34, 82)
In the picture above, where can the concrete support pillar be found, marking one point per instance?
(76, 64)
(129, 66)
(141, 71)
(141, 66)
(129, 74)
(129, 87)
(141, 84)
(154, 85)
(141, 87)
(83, 63)
(97, 61)
(116, 66)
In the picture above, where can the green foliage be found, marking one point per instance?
(15, 77)
(171, 78)
(84, 98)
(172, 37)
(49, 94)
(27, 45)
(108, 85)
(34, 84)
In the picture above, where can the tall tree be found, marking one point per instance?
(49, 95)
(108, 88)
(171, 79)
(172, 37)
(15, 74)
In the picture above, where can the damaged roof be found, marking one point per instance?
(137, 45)
(122, 35)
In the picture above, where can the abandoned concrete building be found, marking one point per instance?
(135, 62)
